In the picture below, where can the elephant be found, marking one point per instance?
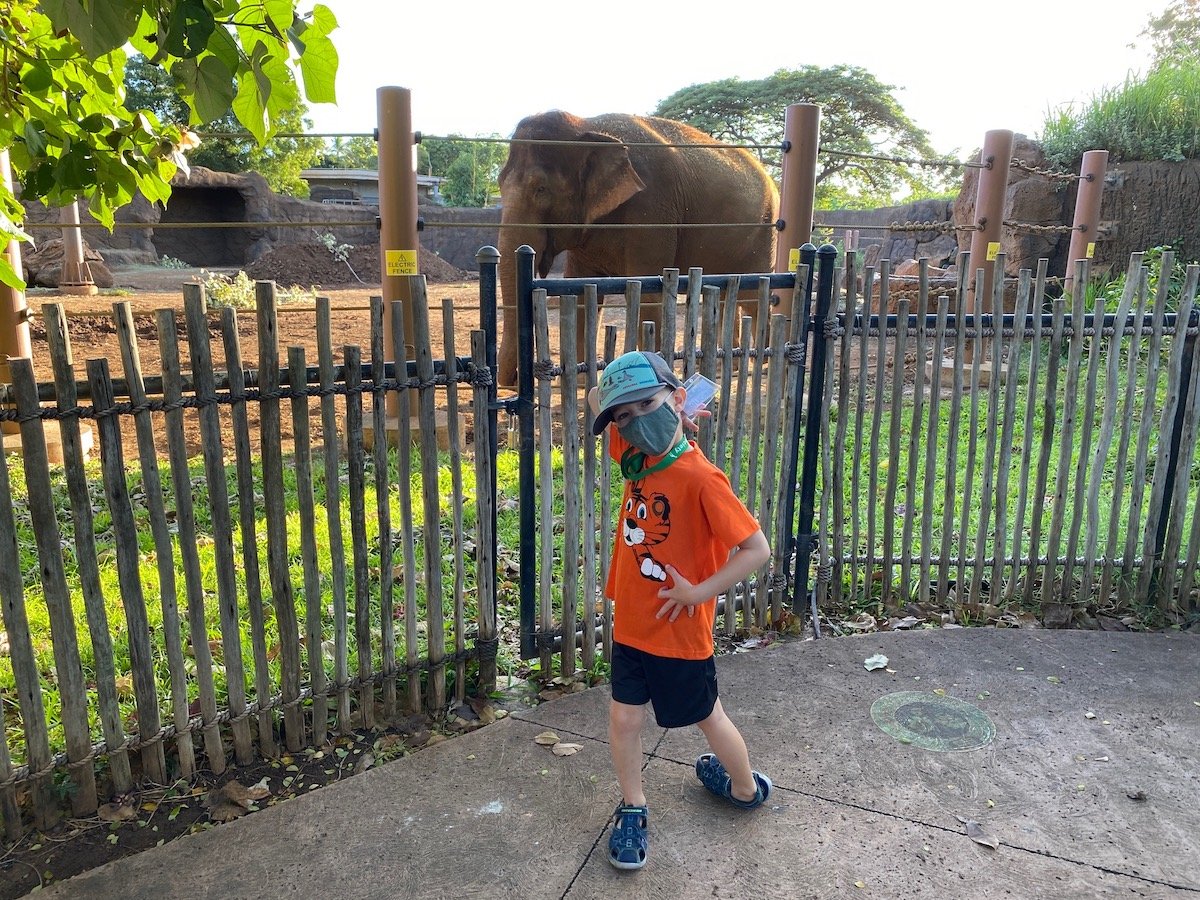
(608, 179)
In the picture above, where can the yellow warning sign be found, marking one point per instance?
(794, 259)
(992, 250)
(401, 262)
(1091, 249)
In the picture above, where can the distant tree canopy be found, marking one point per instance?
(859, 115)
(1175, 33)
(471, 167)
(280, 160)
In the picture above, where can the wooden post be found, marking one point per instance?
(399, 248)
(76, 277)
(1087, 211)
(802, 136)
(989, 211)
(14, 325)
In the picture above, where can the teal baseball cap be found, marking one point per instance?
(629, 378)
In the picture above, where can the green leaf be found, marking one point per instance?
(8, 275)
(37, 78)
(318, 67)
(210, 84)
(250, 104)
(190, 27)
(100, 26)
(280, 14)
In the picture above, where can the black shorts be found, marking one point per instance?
(683, 691)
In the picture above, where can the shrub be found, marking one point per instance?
(238, 291)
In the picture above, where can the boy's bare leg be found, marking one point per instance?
(625, 742)
(726, 741)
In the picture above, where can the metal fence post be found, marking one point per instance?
(523, 408)
(488, 259)
(812, 431)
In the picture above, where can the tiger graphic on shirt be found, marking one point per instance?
(645, 523)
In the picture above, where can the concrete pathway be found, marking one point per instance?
(1082, 807)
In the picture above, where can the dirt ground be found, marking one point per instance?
(93, 333)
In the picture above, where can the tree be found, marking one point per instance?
(473, 175)
(1175, 33)
(351, 153)
(859, 115)
(62, 116)
(280, 160)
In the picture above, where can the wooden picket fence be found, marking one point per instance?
(209, 559)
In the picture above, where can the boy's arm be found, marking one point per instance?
(748, 557)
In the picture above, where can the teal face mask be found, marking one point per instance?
(653, 433)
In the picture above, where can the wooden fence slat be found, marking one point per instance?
(434, 612)
(356, 493)
(454, 445)
(858, 456)
(710, 312)
(128, 553)
(1012, 369)
(1146, 422)
(407, 529)
(877, 419)
(1078, 492)
(247, 487)
(485, 572)
(211, 435)
(160, 530)
(726, 381)
(591, 321)
(669, 337)
(992, 429)
(837, 486)
(545, 441)
(1107, 424)
(86, 562)
(72, 691)
(770, 493)
(899, 355)
(932, 432)
(1035, 359)
(975, 360)
(333, 512)
(26, 675)
(736, 463)
(1050, 420)
(951, 497)
(567, 316)
(383, 507)
(314, 633)
(607, 526)
(10, 811)
(633, 313)
(185, 520)
(275, 505)
(691, 321)
(914, 441)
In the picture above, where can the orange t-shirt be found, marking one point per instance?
(686, 515)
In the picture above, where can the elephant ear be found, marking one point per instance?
(608, 177)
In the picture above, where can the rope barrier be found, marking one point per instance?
(156, 225)
(927, 163)
(1045, 229)
(1048, 173)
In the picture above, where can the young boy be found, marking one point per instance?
(678, 523)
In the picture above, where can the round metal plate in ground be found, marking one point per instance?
(932, 722)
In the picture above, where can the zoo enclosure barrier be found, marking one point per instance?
(267, 594)
(755, 438)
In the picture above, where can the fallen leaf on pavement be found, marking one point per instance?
(547, 739)
(564, 749)
(976, 833)
(878, 661)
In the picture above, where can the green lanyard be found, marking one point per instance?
(633, 461)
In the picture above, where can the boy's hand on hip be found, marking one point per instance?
(678, 596)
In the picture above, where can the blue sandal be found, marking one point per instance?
(714, 777)
(627, 843)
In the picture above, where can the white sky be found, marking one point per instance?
(960, 68)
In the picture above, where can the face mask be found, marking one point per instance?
(653, 433)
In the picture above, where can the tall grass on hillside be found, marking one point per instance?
(1147, 118)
